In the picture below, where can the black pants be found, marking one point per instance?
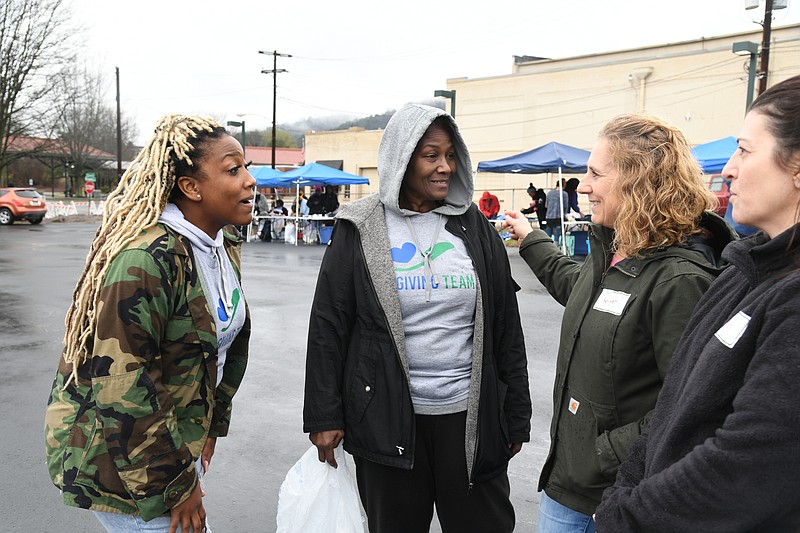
(402, 501)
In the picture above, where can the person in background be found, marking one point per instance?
(722, 452)
(278, 224)
(316, 202)
(655, 249)
(416, 356)
(157, 335)
(489, 205)
(538, 201)
(571, 188)
(330, 200)
(261, 210)
(316, 207)
(556, 203)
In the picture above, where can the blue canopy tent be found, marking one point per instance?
(317, 174)
(551, 157)
(313, 174)
(265, 175)
(713, 155)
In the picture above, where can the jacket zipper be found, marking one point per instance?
(471, 483)
(400, 449)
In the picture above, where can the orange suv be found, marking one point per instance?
(21, 203)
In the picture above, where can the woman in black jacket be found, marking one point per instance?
(415, 352)
(722, 451)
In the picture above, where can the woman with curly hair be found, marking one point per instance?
(722, 451)
(156, 337)
(655, 249)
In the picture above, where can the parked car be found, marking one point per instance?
(21, 203)
(719, 187)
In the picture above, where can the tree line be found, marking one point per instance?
(48, 92)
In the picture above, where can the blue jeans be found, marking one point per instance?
(553, 229)
(556, 518)
(129, 523)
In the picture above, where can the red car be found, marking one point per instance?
(719, 187)
(21, 203)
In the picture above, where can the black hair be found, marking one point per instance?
(781, 105)
(182, 166)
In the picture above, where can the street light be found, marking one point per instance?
(240, 124)
(744, 48)
(452, 96)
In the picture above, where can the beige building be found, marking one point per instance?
(699, 86)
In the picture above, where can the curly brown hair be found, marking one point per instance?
(660, 186)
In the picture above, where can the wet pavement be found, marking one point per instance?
(39, 266)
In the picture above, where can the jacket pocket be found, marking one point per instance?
(362, 388)
(84, 448)
(502, 390)
(581, 421)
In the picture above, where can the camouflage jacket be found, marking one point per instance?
(125, 437)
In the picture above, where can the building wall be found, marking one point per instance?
(699, 86)
(358, 150)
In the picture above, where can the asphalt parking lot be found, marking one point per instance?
(39, 266)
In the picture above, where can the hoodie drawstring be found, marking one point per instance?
(429, 272)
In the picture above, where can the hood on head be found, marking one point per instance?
(400, 138)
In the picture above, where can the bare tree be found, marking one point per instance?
(107, 134)
(34, 40)
(83, 117)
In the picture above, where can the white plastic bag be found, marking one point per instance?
(290, 235)
(317, 498)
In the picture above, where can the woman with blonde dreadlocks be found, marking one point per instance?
(156, 339)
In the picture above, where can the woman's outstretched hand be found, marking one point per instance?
(518, 224)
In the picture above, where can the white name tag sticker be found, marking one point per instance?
(732, 331)
(611, 301)
(573, 405)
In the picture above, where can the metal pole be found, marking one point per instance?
(119, 132)
(244, 143)
(274, 100)
(751, 78)
(764, 69)
(274, 73)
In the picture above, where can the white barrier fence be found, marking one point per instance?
(65, 209)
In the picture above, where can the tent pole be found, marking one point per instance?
(297, 214)
(252, 214)
(563, 213)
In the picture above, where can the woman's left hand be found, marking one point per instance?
(515, 447)
(208, 452)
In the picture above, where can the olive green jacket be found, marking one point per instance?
(618, 332)
(125, 437)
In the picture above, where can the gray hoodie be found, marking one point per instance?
(403, 132)
(218, 277)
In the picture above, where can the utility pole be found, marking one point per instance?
(275, 71)
(763, 69)
(119, 133)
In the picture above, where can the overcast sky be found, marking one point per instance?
(360, 57)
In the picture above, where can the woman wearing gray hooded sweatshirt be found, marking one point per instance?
(416, 356)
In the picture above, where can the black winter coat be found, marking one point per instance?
(355, 377)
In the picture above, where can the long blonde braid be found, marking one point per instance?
(133, 206)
